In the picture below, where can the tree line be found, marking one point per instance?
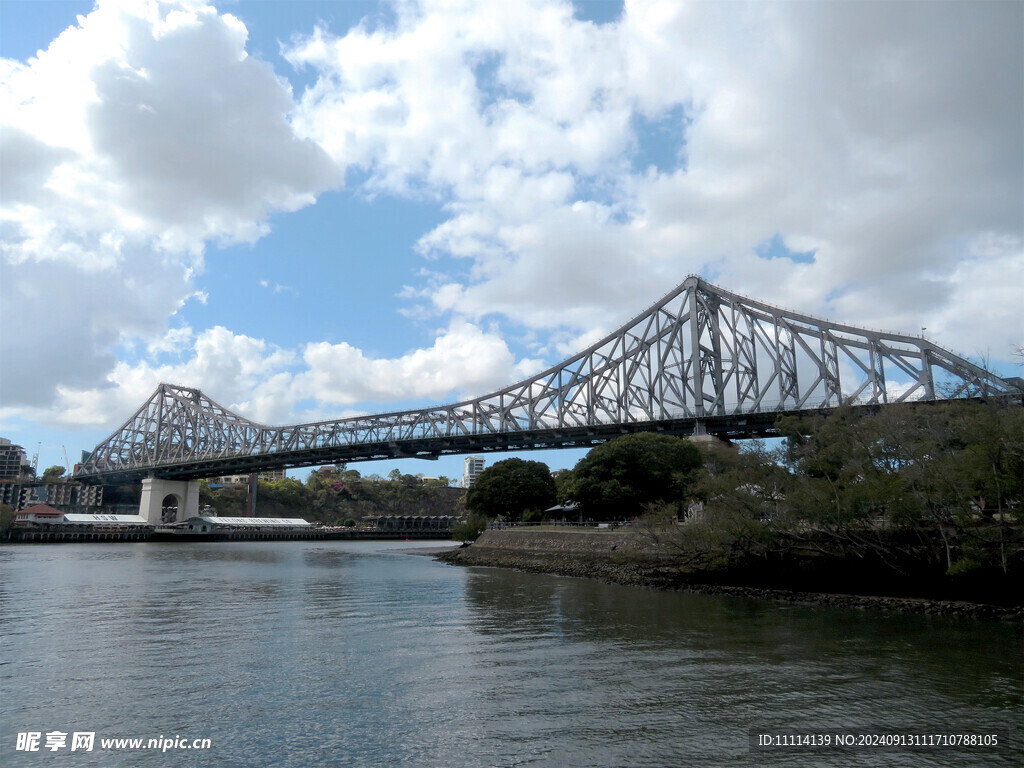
(339, 496)
(929, 488)
(919, 489)
(616, 480)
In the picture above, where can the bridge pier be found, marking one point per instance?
(183, 493)
(701, 437)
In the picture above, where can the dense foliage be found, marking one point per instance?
(926, 489)
(513, 489)
(619, 479)
(470, 527)
(6, 517)
(52, 474)
(335, 497)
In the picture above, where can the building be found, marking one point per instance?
(210, 526)
(39, 513)
(273, 474)
(14, 464)
(440, 524)
(472, 466)
(47, 515)
(68, 495)
(44, 523)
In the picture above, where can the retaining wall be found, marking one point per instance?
(629, 558)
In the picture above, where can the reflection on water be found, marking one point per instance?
(359, 653)
(653, 662)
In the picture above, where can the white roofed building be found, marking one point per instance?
(44, 523)
(244, 527)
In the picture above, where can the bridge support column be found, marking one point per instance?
(185, 494)
(703, 439)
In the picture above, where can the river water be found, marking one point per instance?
(365, 654)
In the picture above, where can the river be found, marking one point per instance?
(366, 654)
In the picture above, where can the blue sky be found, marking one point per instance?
(318, 209)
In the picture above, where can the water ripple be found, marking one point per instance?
(354, 654)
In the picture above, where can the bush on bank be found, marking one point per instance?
(470, 527)
(933, 492)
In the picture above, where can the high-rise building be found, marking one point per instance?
(14, 463)
(472, 466)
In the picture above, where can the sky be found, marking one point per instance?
(312, 210)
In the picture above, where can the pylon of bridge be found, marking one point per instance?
(700, 360)
(156, 493)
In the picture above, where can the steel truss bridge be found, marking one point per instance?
(701, 360)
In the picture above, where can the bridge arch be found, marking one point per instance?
(169, 507)
(701, 360)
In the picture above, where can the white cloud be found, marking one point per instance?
(463, 359)
(139, 135)
(278, 288)
(238, 371)
(269, 385)
(886, 138)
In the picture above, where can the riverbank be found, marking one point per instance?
(54, 534)
(631, 559)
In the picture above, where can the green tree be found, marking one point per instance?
(512, 488)
(282, 498)
(565, 486)
(926, 490)
(470, 527)
(226, 501)
(933, 486)
(620, 478)
(51, 474)
(6, 517)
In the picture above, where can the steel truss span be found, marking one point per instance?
(701, 359)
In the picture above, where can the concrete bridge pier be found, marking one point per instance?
(700, 436)
(158, 495)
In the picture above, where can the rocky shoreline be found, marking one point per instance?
(624, 559)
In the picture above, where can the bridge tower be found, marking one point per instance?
(156, 491)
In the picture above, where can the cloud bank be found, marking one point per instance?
(138, 136)
(862, 161)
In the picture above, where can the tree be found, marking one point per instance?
(51, 474)
(565, 486)
(928, 486)
(622, 477)
(227, 501)
(286, 497)
(6, 517)
(470, 527)
(512, 488)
